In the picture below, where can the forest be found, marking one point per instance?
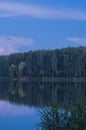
(66, 62)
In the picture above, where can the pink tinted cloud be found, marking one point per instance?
(76, 40)
(11, 44)
(18, 9)
(1, 50)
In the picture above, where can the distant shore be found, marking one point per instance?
(45, 79)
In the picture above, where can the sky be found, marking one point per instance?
(41, 24)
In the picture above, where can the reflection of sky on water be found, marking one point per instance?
(15, 110)
(17, 117)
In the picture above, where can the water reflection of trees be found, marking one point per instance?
(42, 94)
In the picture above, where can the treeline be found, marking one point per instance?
(66, 62)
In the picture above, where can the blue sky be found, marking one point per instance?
(34, 24)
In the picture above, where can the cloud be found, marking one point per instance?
(12, 44)
(76, 40)
(1, 50)
(19, 9)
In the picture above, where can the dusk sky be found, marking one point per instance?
(41, 24)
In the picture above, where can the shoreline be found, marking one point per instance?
(45, 79)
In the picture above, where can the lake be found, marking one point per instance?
(20, 102)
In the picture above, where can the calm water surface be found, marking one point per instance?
(17, 117)
(20, 102)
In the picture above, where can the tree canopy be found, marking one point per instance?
(66, 62)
